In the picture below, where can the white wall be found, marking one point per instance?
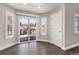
(71, 39)
(54, 22)
(60, 26)
(55, 27)
(64, 18)
(4, 43)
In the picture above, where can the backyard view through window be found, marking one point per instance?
(27, 28)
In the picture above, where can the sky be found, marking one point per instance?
(24, 20)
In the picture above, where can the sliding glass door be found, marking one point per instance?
(27, 28)
(32, 28)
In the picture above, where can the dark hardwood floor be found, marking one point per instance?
(38, 48)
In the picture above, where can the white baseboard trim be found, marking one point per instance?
(63, 48)
(7, 46)
(43, 40)
(69, 47)
(55, 44)
(48, 41)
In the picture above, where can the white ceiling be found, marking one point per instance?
(35, 7)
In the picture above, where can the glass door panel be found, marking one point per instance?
(27, 28)
(32, 28)
(24, 27)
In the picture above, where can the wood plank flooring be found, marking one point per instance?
(38, 48)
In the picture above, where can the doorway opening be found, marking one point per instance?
(27, 28)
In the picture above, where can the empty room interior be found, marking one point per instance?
(39, 29)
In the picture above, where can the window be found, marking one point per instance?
(76, 23)
(43, 25)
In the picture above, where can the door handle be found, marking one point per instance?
(59, 31)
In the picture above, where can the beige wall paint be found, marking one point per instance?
(70, 37)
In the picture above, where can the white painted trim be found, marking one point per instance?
(7, 46)
(43, 40)
(55, 44)
(63, 48)
(37, 18)
(75, 22)
(69, 47)
(30, 15)
(63, 28)
(10, 14)
(37, 27)
(48, 41)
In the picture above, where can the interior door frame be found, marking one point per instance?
(19, 26)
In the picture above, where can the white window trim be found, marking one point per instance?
(9, 13)
(75, 23)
